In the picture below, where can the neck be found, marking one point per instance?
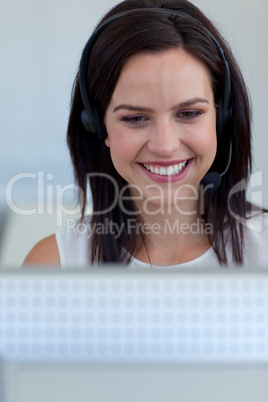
(173, 235)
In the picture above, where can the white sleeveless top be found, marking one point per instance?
(73, 243)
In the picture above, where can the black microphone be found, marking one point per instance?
(212, 181)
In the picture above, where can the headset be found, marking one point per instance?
(92, 120)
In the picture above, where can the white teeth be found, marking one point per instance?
(177, 168)
(167, 171)
(170, 171)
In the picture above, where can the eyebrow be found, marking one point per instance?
(187, 103)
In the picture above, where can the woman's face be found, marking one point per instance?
(161, 125)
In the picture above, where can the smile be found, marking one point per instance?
(170, 170)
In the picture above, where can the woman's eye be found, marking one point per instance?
(189, 114)
(135, 120)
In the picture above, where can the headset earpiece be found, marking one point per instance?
(222, 120)
(93, 123)
(88, 122)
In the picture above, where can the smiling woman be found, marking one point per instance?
(168, 133)
(159, 113)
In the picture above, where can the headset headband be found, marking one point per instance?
(90, 116)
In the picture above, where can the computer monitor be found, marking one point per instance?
(115, 334)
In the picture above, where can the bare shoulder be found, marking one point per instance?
(44, 252)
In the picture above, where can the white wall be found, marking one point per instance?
(40, 46)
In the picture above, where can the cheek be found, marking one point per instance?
(123, 145)
(122, 150)
(209, 144)
(206, 140)
(204, 143)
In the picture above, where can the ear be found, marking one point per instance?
(107, 141)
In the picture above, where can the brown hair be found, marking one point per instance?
(153, 32)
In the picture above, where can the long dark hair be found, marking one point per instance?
(154, 32)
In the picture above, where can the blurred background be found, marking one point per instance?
(40, 47)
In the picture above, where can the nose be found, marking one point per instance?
(164, 139)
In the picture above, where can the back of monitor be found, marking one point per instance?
(117, 335)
